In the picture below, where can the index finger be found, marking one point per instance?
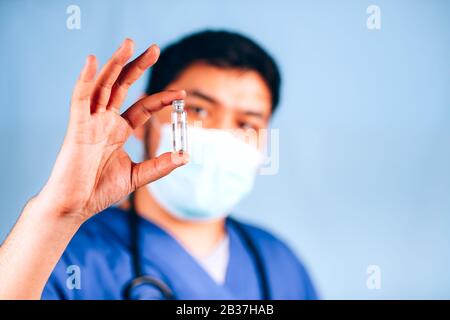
(83, 89)
(130, 73)
(141, 111)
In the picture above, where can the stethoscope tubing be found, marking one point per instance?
(140, 279)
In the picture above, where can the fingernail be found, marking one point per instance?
(155, 48)
(180, 158)
(125, 41)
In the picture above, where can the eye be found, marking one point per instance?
(197, 111)
(245, 125)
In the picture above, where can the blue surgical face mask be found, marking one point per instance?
(221, 171)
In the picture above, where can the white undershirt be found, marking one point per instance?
(216, 263)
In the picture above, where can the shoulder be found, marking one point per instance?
(267, 240)
(98, 234)
(282, 261)
(112, 222)
(101, 243)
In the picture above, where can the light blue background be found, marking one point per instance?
(364, 123)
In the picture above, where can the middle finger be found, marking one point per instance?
(130, 73)
(108, 75)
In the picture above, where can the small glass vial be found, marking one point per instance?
(179, 126)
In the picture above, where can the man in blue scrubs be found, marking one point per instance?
(175, 234)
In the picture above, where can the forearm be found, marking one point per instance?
(92, 171)
(32, 249)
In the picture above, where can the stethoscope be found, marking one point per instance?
(140, 280)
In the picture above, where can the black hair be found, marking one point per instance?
(217, 48)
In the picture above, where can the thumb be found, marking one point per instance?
(156, 168)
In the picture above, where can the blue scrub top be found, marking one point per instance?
(100, 251)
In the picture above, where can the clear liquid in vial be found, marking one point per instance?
(179, 127)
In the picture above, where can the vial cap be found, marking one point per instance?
(178, 105)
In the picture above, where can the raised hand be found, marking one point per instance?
(92, 170)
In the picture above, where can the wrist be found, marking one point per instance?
(46, 209)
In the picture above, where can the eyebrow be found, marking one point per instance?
(254, 114)
(204, 96)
